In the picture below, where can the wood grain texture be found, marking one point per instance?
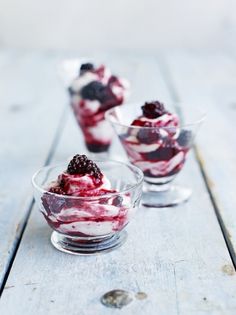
(177, 256)
(29, 114)
(209, 82)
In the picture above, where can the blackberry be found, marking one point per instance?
(165, 153)
(86, 67)
(108, 99)
(80, 164)
(185, 138)
(97, 91)
(148, 136)
(117, 201)
(93, 91)
(153, 109)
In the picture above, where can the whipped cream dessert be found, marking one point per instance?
(93, 92)
(100, 215)
(155, 142)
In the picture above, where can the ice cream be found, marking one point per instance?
(81, 201)
(155, 142)
(93, 92)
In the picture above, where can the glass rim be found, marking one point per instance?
(196, 122)
(112, 194)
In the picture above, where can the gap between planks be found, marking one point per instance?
(58, 132)
(164, 68)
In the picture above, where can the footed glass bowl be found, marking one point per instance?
(89, 225)
(160, 152)
(90, 113)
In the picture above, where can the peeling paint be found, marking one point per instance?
(116, 298)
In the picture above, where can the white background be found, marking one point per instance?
(118, 25)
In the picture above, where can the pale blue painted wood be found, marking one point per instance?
(177, 256)
(31, 103)
(209, 82)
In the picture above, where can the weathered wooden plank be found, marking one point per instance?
(29, 114)
(176, 255)
(210, 82)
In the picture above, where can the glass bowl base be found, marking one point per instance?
(87, 246)
(157, 198)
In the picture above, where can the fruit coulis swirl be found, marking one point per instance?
(159, 147)
(93, 92)
(84, 217)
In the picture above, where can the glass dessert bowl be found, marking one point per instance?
(88, 204)
(93, 91)
(157, 142)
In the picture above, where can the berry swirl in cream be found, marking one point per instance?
(93, 92)
(157, 145)
(84, 216)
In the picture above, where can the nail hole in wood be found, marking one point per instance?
(116, 298)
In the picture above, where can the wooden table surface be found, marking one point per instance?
(183, 258)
